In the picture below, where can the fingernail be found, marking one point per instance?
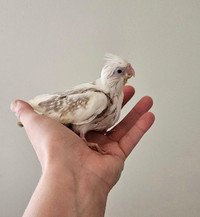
(13, 106)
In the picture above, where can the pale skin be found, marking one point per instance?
(76, 180)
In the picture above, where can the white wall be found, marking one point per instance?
(47, 46)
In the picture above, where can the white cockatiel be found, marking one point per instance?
(90, 106)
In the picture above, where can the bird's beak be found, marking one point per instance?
(129, 73)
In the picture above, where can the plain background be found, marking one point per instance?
(48, 46)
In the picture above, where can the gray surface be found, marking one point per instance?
(48, 46)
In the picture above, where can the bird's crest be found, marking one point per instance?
(112, 59)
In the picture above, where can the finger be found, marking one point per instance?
(30, 119)
(23, 111)
(125, 125)
(35, 125)
(133, 136)
(128, 93)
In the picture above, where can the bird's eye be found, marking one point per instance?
(118, 71)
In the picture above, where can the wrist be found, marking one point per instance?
(86, 195)
(91, 198)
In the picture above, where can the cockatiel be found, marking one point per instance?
(90, 106)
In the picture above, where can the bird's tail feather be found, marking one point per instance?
(20, 124)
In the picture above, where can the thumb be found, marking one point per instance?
(34, 124)
(23, 111)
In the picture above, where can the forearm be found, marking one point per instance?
(59, 194)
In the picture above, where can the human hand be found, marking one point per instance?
(61, 150)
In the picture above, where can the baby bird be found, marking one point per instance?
(90, 106)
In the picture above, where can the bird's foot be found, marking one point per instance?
(96, 147)
(92, 145)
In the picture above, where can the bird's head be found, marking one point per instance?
(116, 71)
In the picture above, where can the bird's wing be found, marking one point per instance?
(76, 106)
